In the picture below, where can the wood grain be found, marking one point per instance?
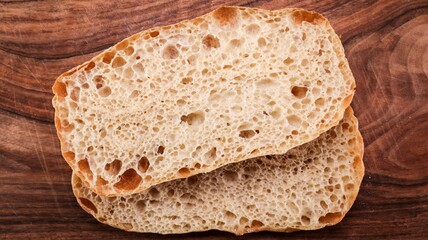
(386, 43)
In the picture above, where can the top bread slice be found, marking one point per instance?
(309, 187)
(174, 101)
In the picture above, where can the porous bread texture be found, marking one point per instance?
(174, 101)
(309, 187)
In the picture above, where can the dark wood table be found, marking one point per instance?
(386, 44)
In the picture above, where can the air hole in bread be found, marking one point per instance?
(303, 36)
(184, 172)
(125, 226)
(330, 218)
(75, 94)
(292, 207)
(114, 167)
(294, 120)
(304, 62)
(266, 83)
(170, 52)
(84, 166)
(230, 176)
(299, 92)
(271, 103)
(324, 205)
(305, 220)
(98, 81)
(255, 151)
(141, 205)
(134, 94)
(175, 226)
(205, 72)
(333, 135)
(197, 151)
(275, 113)
(256, 224)
(69, 156)
(122, 45)
(192, 180)
(154, 34)
(230, 216)
(128, 73)
(194, 119)
(186, 80)
(100, 182)
(306, 101)
(108, 56)
(236, 109)
(345, 126)
(60, 89)
(88, 204)
(181, 102)
(253, 29)
(235, 43)
(210, 41)
(143, 164)
(138, 68)
(129, 51)
(247, 133)
(192, 59)
(104, 91)
(103, 133)
(161, 150)
(210, 155)
(220, 223)
(197, 166)
(170, 193)
(154, 193)
(118, 62)
(129, 180)
(90, 66)
(288, 61)
(320, 102)
(243, 220)
(261, 42)
(349, 187)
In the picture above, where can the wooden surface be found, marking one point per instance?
(386, 44)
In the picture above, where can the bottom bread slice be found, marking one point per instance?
(309, 187)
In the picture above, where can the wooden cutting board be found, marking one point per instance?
(386, 43)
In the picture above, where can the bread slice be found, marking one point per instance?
(309, 187)
(174, 101)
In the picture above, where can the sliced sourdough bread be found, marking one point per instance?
(174, 101)
(309, 187)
